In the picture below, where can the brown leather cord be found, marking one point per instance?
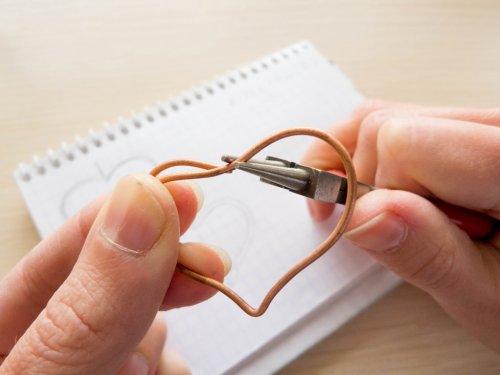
(214, 170)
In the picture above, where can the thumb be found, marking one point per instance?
(109, 300)
(414, 239)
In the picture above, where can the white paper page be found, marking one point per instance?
(265, 229)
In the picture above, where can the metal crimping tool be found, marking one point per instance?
(310, 182)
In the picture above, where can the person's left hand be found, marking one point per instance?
(84, 300)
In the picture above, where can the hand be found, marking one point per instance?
(84, 300)
(450, 154)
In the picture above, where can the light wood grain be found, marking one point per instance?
(66, 66)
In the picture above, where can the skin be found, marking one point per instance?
(76, 303)
(53, 319)
(449, 153)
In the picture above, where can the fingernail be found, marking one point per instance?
(172, 363)
(200, 198)
(320, 211)
(224, 257)
(313, 209)
(134, 220)
(135, 365)
(384, 232)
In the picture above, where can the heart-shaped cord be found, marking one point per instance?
(211, 170)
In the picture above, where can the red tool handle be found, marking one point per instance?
(476, 224)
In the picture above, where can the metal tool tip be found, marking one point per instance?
(228, 158)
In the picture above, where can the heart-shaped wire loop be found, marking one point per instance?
(210, 170)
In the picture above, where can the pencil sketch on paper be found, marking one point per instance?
(84, 190)
(228, 223)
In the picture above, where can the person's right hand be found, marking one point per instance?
(447, 153)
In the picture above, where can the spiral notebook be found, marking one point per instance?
(265, 229)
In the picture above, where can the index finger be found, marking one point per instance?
(320, 155)
(359, 134)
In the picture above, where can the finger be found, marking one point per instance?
(322, 156)
(208, 261)
(359, 135)
(147, 355)
(106, 305)
(24, 292)
(26, 289)
(415, 240)
(455, 161)
(172, 364)
(188, 198)
(365, 156)
(321, 211)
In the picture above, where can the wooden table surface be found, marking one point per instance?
(66, 66)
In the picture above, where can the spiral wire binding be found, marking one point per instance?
(95, 139)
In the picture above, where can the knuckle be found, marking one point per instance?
(491, 116)
(437, 271)
(381, 133)
(36, 287)
(396, 138)
(374, 120)
(399, 156)
(82, 329)
(64, 329)
(368, 106)
(50, 341)
(47, 338)
(68, 331)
